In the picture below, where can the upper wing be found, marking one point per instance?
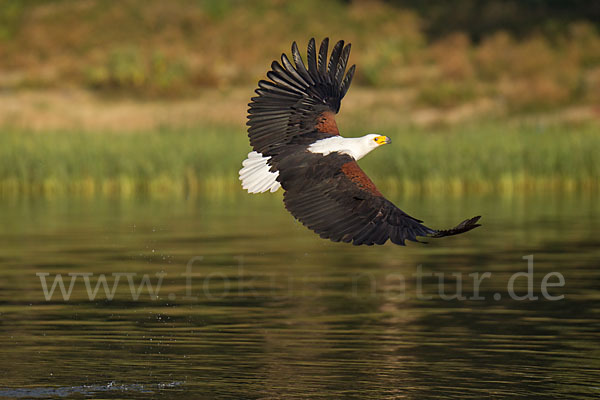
(346, 206)
(299, 100)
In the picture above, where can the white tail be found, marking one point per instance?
(256, 176)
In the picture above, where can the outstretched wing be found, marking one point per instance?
(299, 101)
(346, 206)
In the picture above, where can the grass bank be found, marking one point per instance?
(170, 49)
(503, 157)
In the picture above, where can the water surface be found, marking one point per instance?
(250, 304)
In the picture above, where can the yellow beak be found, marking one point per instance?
(383, 140)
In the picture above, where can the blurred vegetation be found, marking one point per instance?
(187, 162)
(445, 53)
(455, 57)
(480, 18)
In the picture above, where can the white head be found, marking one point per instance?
(355, 147)
(364, 145)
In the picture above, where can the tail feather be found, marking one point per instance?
(256, 174)
(463, 227)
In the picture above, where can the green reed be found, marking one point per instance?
(504, 157)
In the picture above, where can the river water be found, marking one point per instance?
(231, 298)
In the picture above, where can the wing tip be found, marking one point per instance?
(464, 226)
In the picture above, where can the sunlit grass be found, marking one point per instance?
(493, 157)
(501, 157)
(218, 43)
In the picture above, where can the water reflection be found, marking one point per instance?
(252, 304)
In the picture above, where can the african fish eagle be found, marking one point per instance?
(297, 146)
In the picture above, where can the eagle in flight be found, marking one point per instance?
(297, 146)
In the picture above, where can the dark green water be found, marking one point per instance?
(268, 310)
